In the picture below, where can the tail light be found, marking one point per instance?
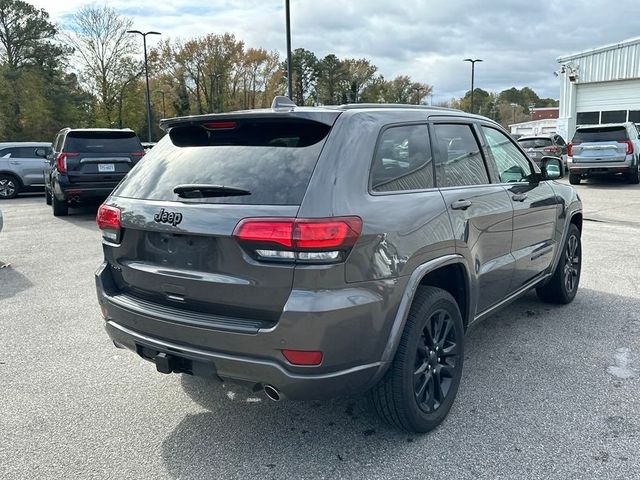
(61, 161)
(570, 148)
(305, 240)
(629, 147)
(553, 150)
(138, 154)
(108, 220)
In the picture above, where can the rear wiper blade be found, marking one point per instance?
(204, 191)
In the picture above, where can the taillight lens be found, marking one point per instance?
(629, 147)
(108, 220)
(61, 161)
(309, 240)
(138, 154)
(570, 149)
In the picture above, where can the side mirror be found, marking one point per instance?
(552, 168)
(41, 152)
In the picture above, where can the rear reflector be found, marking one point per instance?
(302, 357)
(108, 220)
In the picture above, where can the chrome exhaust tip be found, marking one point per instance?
(272, 393)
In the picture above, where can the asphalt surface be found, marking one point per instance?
(547, 392)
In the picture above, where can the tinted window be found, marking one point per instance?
(459, 160)
(588, 118)
(512, 165)
(614, 116)
(601, 134)
(403, 160)
(560, 140)
(102, 142)
(535, 142)
(634, 116)
(272, 159)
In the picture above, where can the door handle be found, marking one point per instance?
(461, 204)
(519, 197)
(14, 163)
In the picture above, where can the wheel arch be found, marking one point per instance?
(13, 175)
(445, 272)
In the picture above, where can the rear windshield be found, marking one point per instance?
(102, 142)
(602, 134)
(535, 143)
(272, 159)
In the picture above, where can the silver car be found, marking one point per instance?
(21, 168)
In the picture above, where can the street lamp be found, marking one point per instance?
(146, 74)
(289, 66)
(418, 96)
(473, 72)
(164, 110)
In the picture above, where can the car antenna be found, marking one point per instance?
(281, 101)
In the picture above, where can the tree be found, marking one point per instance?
(24, 32)
(357, 75)
(99, 36)
(330, 77)
(305, 69)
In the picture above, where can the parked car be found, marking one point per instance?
(1, 221)
(21, 169)
(610, 149)
(317, 252)
(87, 164)
(540, 146)
(148, 145)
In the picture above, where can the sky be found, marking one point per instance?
(518, 41)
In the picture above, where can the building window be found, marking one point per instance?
(634, 116)
(588, 118)
(614, 116)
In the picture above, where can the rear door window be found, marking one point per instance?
(602, 134)
(403, 160)
(459, 161)
(272, 159)
(103, 142)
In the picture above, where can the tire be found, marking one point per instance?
(634, 177)
(419, 365)
(574, 179)
(563, 286)
(60, 208)
(9, 187)
(47, 196)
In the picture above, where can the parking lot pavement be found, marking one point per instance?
(547, 392)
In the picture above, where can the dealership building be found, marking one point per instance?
(598, 86)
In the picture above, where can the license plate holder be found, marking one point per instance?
(106, 168)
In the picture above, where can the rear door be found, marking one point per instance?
(179, 251)
(101, 156)
(481, 213)
(32, 167)
(606, 144)
(535, 207)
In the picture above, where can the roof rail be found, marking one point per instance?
(282, 102)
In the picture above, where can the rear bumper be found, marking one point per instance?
(253, 371)
(65, 190)
(599, 168)
(350, 326)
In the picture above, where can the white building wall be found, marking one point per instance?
(603, 72)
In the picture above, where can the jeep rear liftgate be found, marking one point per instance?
(174, 219)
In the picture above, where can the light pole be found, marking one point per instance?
(289, 66)
(164, 110)
(473, 73)
(418, 96)
(514, 106)
(146, 74)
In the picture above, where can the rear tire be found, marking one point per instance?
(9, 187)
(563, 286)
(47, 196)
(634, 177)
(60, 208)
(574, 179)
(418, 390)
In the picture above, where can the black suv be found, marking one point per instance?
(87, 164)
(314, 252)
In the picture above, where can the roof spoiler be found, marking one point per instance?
(282, 102)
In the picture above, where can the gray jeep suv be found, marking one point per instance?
(315, 252)
(22, 167)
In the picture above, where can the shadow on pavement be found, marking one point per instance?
(513, 359)
(12, 281)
